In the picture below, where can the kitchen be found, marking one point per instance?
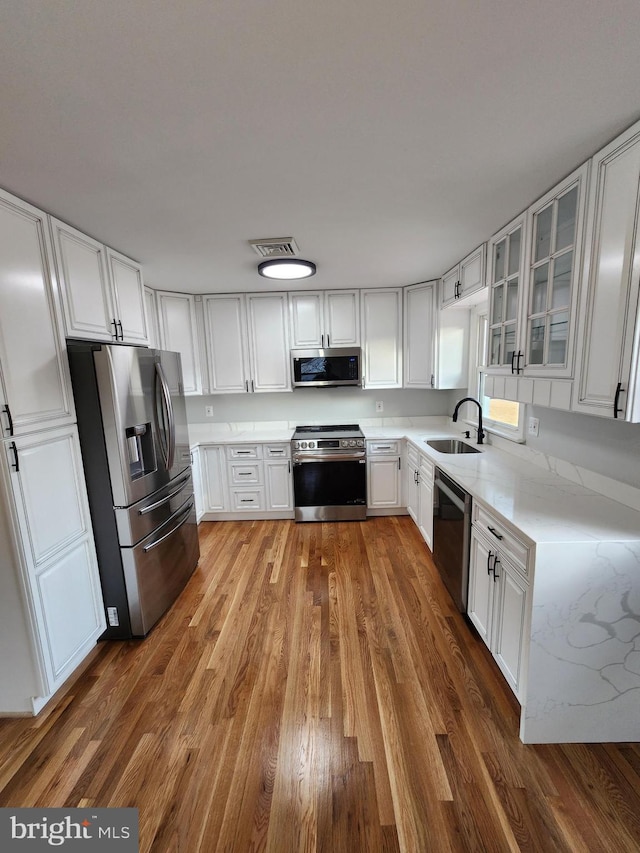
(255, 327)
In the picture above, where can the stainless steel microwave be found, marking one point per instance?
(326, 368)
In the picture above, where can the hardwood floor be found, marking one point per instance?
(314, 689)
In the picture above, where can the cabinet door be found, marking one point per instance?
(306, 316)
(506, 260)
(383, 482)
(342, 318)
(609, 307)
(449, 284)
(279, 484)
(151, 308)
(268, 342)
(508, 622)
(84, 284)
(481, 587)
(196, 474)
(35, 389)
(411, 482)
(382, 337)
(128, 297)
(213, 479)
(178, 333)
(555, 225)
(57, 546)
(472, 277)
(425, 508)
(419, 324)
(226, 337)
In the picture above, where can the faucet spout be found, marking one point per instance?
(471, 400)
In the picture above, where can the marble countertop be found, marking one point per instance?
(541, 505)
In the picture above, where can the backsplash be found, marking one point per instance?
(321, 405)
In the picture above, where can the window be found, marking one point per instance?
(503, 417)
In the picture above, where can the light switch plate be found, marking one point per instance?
(534, 425)
(379, 406)
(208, 410)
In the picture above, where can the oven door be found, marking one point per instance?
(330, 490)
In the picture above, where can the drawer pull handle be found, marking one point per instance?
(495, 532)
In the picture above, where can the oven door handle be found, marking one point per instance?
(329, 457)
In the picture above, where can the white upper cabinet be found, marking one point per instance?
(128, 294)
(151, 307)
(35, 389)
(506, 266)
(607, 375)
(321, 319)
(467, 279)
(177, 326)
(247, 343)
(435, 342)
(556, 225)
(225, 326)
(534, 266)
(381, 324)
(268, 342)
(102, 291)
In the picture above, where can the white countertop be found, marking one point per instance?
(540, 504)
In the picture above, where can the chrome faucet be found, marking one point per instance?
(471, 400)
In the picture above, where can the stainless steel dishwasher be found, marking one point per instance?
(451, 534)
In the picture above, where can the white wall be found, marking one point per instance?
(321, 404)
(608, 447)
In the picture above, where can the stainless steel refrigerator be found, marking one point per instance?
(135, 449)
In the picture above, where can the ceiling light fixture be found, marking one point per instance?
(287, 268)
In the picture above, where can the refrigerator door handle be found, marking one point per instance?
(185, 512)
(170, 450)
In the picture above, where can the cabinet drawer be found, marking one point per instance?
(383, 448)
(277, 451)
(244, 451)
(245, 473)
(246, 499)
(495, 531)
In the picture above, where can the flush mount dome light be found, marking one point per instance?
(287, 268)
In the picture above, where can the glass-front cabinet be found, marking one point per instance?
(533, 272)
(506, 266)
(556, 225)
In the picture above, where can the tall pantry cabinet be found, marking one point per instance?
(51, 611)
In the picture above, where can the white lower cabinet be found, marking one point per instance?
(246, 480)
(384, 475)
(53, 558)
(425, 500)
(418, 484)
(196, 476)
(498, 595)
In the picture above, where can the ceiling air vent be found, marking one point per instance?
(276, 247)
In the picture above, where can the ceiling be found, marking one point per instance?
(388, 139)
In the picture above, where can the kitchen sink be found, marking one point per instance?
(452, 445)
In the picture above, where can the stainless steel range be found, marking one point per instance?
(329, 473)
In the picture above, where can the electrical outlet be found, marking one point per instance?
(534, 425)
(208, 410)
(379, 406)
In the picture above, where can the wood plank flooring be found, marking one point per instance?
(314, 689)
